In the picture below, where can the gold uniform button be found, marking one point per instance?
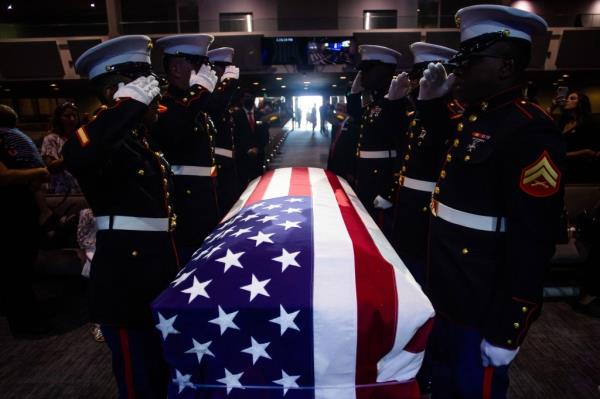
(516, 326)
(437, 190)
(412, 135)
(472, 118)
(448, 158)
(425, 209)
(523, 102)
(185, 99)
(465, 251)
(165, 182)
(406, 157)
(524, 309)
(196, 129)
(484, 105)
(509, 341)
(188, 191)
(168, 194)
(413, 123)
(375, 171)
(192, 93)
(163, 168)
(403, 169)
(141, 172)
(467, 158)
(443, 174)
(460, 127)
(169, 208)
(134, 253)
(456, 142)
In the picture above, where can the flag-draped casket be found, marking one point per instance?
(296, 294)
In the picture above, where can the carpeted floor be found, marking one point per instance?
(560, 359)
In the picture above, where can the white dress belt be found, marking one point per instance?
(420, 185)
(132, 223)
(377, 154)
(189, 170)
(470, 220)
(224, 152)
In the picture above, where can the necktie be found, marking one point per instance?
(251, 120)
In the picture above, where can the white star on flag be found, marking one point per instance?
(285, 320)
(200, 350)
(257, 350)
(292, 210)
(212, 251)
(268, 218)
(289, 224)
(257, 205)
(231, 259)
(231, 381)
(181, 278)
(197, 289)
(256, 287)
(225, 320)
(261, 237)
(183, 381)
(294, 200)
(242, 231)
(166, 326)
(287, 259)
(250, 217)
(272, 206)
(287, 381)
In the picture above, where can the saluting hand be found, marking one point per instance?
(144, 89)
(398, 87)
(435, 83)
(357, 84)
(205, 77)
(231, 72)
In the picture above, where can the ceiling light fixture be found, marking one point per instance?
(278, 78)
(343, 77)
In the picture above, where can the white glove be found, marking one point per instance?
(231, 72)
(435, 83)
(495, 356)
(144, 89)
(357, 85)
(381, 203)
(398, 87)
(205, 77)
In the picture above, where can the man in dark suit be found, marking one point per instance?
(251, 135)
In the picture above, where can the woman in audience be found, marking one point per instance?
(581, 137)
(65, 122)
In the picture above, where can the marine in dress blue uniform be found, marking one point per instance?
(229, 187)
(128, 187)
(382, 124)
(495, 208)
(420, 164)
(186, 135)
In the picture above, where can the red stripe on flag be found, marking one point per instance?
(260, 189)
(300, 182)
(418, 342)
(376, 286)
(127, 366)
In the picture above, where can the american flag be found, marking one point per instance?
(296, 294)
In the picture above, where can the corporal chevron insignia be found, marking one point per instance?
(541, 178)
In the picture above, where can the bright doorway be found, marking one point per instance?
(306, 104)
